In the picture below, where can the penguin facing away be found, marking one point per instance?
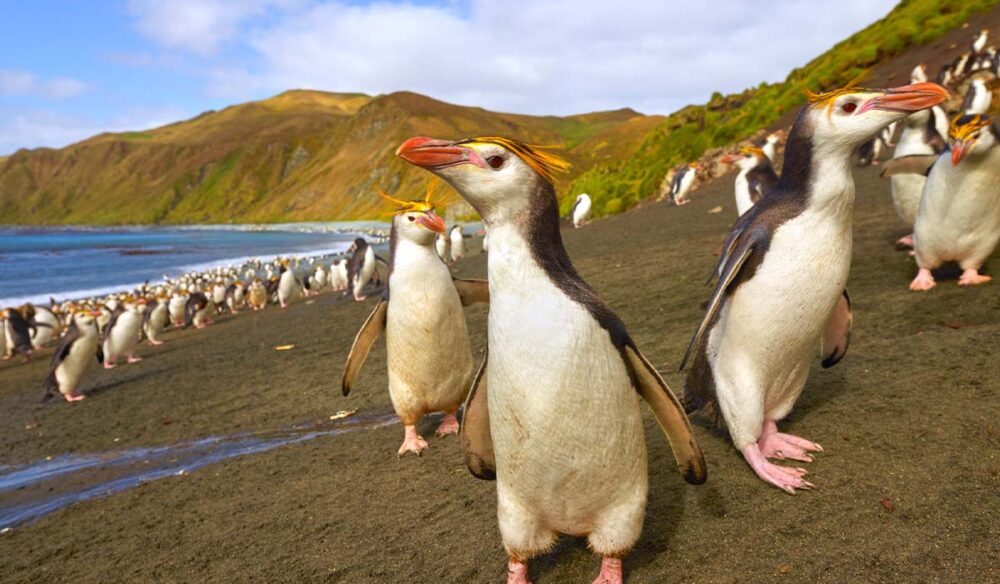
(427, 342)
(562, 384)
(772, 309)
(155, 319)
(17, 332)
(581, 210)
(457, 243)
(755, 178)
(74, 356)
(683, 183)
(360, 268)
(978, 98)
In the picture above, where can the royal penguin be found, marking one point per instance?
(959, 215)
(338, 275)
(427, 342)
(918, 137)
(581, 210)
(979, 41)
(978, 98)
(257, 295)
(155, 319)
(457, 238)
(773, 309)
(755, 178)
(47, 327)
(234, 297)
(121, 333)
(554, 414)
(770, 147)
(76, 353)
(198, 310)
(442, 244)
(175, 307)
(360, 268)
(320, 279)
(683, 182)
(17, 332)
(919, 73)
(289, 286)
(218, 296)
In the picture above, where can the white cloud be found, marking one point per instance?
(545, 56)
(25, 83)
(42, 127)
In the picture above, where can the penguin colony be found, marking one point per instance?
(563, 383)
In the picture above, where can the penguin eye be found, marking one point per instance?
(849, 107)
(411, 217)
(495, 162)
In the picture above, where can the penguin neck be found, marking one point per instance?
(818, 177)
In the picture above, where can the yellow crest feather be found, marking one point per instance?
(544, 163)
(961, 130)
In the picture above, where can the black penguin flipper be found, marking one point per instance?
(106, 330)
(472, 291)
(760, 180)
(913, 164)
(669, 414)
(477, 442)
(370, 330)
(837, 334)
(51, 385)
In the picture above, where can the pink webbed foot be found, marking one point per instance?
(774, 444)
(682, 202)
(413, 442)
(785, 478)
(517, 572)
(6, 358)
(611, 571)
(972, 277)
(448, 425)
(133, 359)
(109, 364)
(155, 343)
(73, 396)
(905, 241)
(923, 282)
(360, 298)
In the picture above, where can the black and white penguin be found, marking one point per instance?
(47, 327)
(442, 244)
(360, 268)
(581, 210)
(919, 73)
(234, 297)
(918, 137)
(198, 310)
(427, 342)
(155, 319)
(683, 183)
(74, 356)
(773, 308)
(978, 98)
(959, 215)
(559, 422)
(17, 332)
(770, 147)
(870, 152)
(289, 286)
(121, 333)
(979, 41)
(755, 178)
(175, 307)
(457, 238)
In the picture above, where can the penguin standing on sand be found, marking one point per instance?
(427, 342)
(175, 307)
(581, 210)
(978, 98)
(197, 311)
(288, 285)
(234, 297)
(683, 183)
(47, 327)
(155, 319)
(457, 243)
(959, 215)
(554, 414)
(780, 298)
(17, 332)
(121, 333)
(257, 295)
(320, 278)
(755, 179)
(360, 268)
(442, 244)
(74, 356)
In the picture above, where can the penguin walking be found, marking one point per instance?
(155, 319)
(427, 342)
(919, 137)
(218, 296)
(683, 183)
(289, 286)
(197, 311)
(581, 210)
(959, 215)
(257, 295)
(17, 332)
(442, 244)
(360, 268)
(74, 356)
(755, 178)
(772, 309)
(457, 238)
(978, 98)
(234, 297)
(121, 333)
(175, 307)
(554, 413)
(47, 327)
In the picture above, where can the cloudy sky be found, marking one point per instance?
(72, 68)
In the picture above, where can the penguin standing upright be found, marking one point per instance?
(581, 210)
(978, 98)
(47, 327)
(919, 73)
(155, 319)
(17, 332)
(427, 342)
(74, 356)
(770, 147)
(175, 307)
(683, 182)
(554, 414)
(919, 137)
(457, 243)
(755, 178)
(360, 268)
(780, 298)
(121, 333)
(320, 278)
(197, 311)
(959, 215)
(234, 297)
(288, 285)
(442, 244)
(257, 295)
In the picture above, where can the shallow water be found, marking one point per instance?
(30, 491)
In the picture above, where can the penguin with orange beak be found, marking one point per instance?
(554, 415)
(427, 341)
(74, 356)
(781, 299)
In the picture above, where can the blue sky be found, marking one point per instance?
(72, 68)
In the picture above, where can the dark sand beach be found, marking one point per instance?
(908, 487)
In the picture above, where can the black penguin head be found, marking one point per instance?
(972, 136)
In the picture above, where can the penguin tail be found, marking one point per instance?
(50, 386)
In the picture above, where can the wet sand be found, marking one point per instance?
(909, 485)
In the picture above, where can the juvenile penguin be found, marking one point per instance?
(457, 243)
(959, 215)
(288, 285)
(121, 333)
(360, 268)
(683, 183)
(774, 308)
(427, 342)
(257, 295)
(919, 137)
(559, 422)
(442, 244)
(155, 319)
(755, 179)
(74, 356)
(581, 210)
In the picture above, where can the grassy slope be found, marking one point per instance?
(686, 134)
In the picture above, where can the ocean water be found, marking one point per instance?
(75, 262)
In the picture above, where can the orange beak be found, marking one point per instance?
(908, 98)
(958, 151)
(432, 221)
(729, 159)
(435, 154)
